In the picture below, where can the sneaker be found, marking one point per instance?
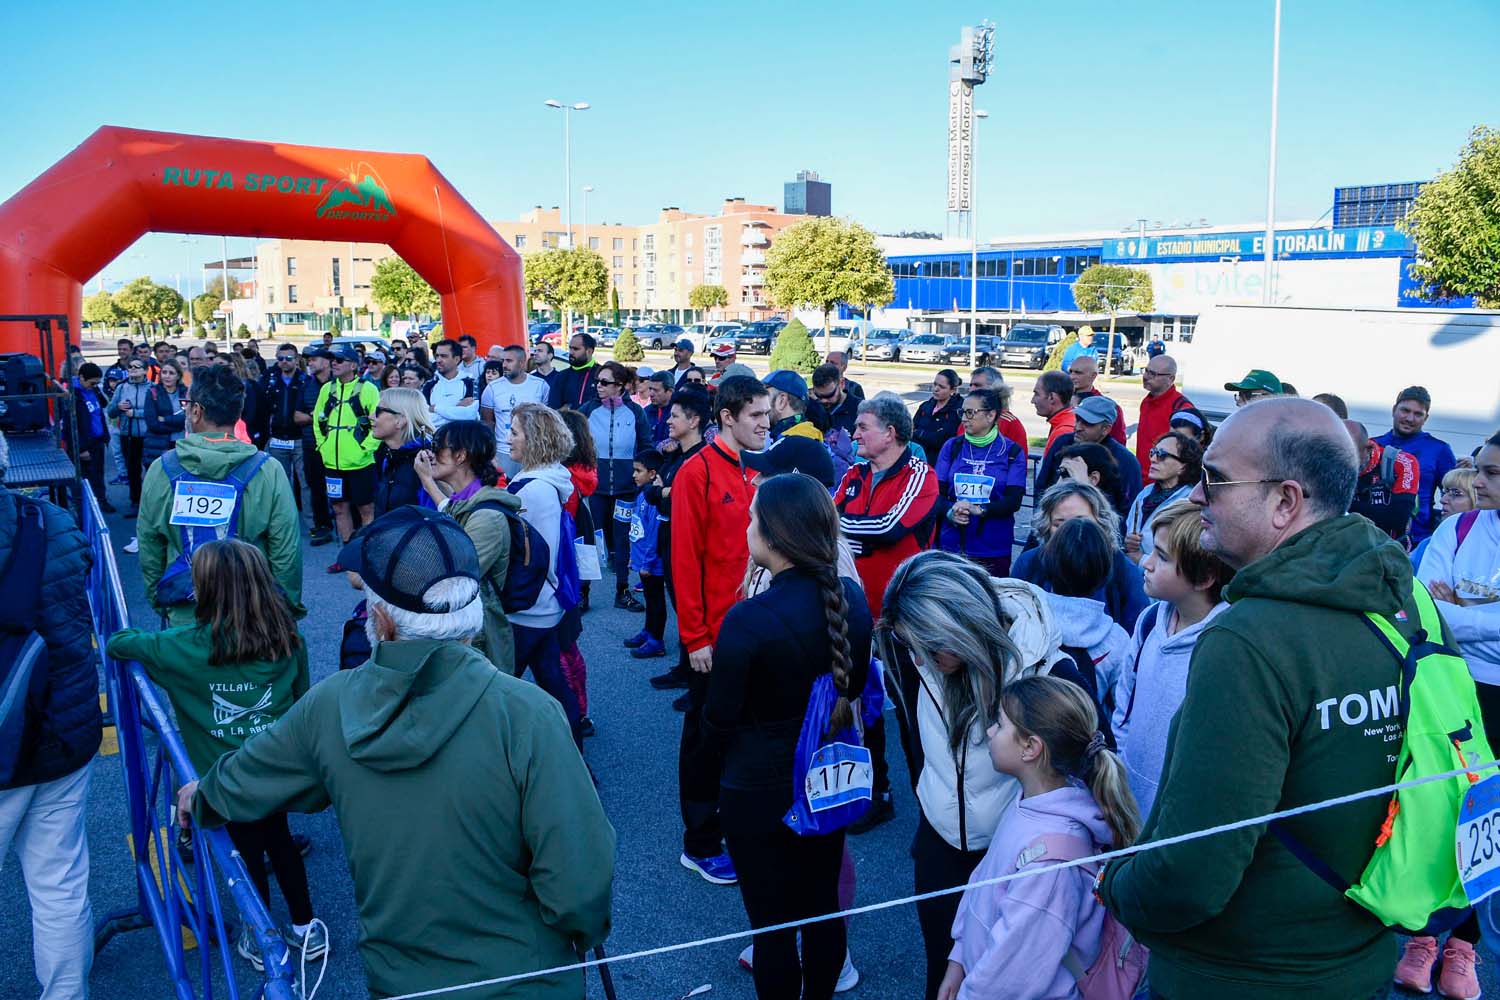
(248, 951)
(303, 843)
(718, 869)
(334, 568)
(320, 537)
(313, 945)
(673, 678)
(119, 481)
(625, 602)
(881, 811)
(848, 976)
(639, 588)
(682, 702)
(586, 726)
(1414, 971)
(649, 649)
(636, 640)
(133, 546)
(747, 958)
(1457, 980)
(185, 845)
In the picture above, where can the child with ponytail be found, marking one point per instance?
(1018, 939)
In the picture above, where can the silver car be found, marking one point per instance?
(925, 348)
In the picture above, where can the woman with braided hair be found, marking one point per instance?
(771, 648)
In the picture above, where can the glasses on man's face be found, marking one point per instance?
(1251, 396)
(137, 368)
(1161, 454)
(1211, 484)
(828, 396)
(1148, 373)
(287, 358)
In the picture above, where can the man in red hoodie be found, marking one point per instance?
(1162, 400)
(711, 497)
(886, 510)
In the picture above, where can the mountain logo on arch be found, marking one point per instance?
(359, 194)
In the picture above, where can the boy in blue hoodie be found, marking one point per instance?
(644, 559)
(1185, 580)
(1434, 457)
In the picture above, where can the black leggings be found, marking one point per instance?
(132, 449)
(784, 877)
(1489, 711)
(616, 536)
(271, 836)
(938, 865)
(655, 588)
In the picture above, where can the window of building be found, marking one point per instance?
(689, 239)
(336, 281)
(617, 279)
(593, 243)
(553, 241)
(635, 244)
(271, 296)
(520, 242)
(617, 244)
(1185, 330)
(291, 292)
(671, 239)
(291, 267)
(619, 261)
(688, 260)
(1167, 329)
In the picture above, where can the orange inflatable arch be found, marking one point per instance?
(68, 224)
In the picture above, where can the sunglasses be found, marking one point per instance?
(826, 396)
(135, 368)
(386, 410)
(287, 357)
(1161, 453)
(606, 381)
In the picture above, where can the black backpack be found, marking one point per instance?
(23, 652)
(530, 557)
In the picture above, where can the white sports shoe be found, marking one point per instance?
(132, 546)
(848, 976)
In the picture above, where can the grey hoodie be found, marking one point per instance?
(1150, 689)
(542, 498)
(1085, 622)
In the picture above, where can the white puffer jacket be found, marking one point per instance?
(963, 799)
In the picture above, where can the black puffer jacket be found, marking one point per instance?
(71, 724)
(396, 480)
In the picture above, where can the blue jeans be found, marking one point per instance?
(537, 648)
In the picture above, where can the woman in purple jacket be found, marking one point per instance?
(981, 482)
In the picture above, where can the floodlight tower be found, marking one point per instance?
(969, 65)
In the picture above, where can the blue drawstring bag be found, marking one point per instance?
(833, 777)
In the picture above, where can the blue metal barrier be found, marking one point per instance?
(169, 895)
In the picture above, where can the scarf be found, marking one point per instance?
(983, 440)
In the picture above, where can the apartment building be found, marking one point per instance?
(654, 267)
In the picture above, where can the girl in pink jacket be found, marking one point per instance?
(1015, 939)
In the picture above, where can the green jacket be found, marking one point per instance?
(1290, 699)
(268, 517)
(489, 530)
(342, 435)
(476, 840)
(219, 706)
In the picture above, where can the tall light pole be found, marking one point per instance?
(1266, 296)
(974, 240)
(567, 110)
(587, 189)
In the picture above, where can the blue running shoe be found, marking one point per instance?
(651, 647)
(636, 640)
(718, 869)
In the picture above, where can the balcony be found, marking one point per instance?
(752, 279)
(755, 238)
(753, 258)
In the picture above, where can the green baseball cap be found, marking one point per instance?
(1256, 380)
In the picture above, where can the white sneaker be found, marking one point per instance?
(848, 976)
(747, 958)
(132, 546)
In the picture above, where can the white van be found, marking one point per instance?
(1365, 356)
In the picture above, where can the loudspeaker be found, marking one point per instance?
(22, 373)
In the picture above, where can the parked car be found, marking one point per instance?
(956, 350)
(925, 348)
(757, 338)
(702, 334)
(655, 336)
(879, 345)
(604, 335)
(536, 331)
(1122, 359)
(1027, 345)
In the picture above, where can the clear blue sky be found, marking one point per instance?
(1101, 112)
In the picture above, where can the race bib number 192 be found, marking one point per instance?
(202, 505)
(838, 773)
(1478, 839)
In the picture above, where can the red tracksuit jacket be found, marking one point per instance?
(886, 522)
(710, 512)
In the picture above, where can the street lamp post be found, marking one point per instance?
(587, 189)
(974, 240)
(567, 110)
(1266, 296)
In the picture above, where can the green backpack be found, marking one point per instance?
(1411, 882)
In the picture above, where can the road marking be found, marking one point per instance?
(110, 744)
(189, 941)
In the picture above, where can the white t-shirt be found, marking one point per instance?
(447, 394)
(1473, 571)
(502, 396)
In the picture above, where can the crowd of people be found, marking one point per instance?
(1057, 691)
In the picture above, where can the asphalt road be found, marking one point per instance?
(656, 901)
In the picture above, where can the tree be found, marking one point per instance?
(401, 291)
(1456, 223)
(1112, 288)
(794, 349)
(703, 297)
(148, 303)
(216, 288)
(242, 331)
(825, 261)
(628, 348)
(614, 306)
(204, 306)
(102, 309)
(575, 279)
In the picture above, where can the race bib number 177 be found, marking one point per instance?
(838, 773)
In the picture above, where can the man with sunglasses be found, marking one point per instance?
(831, 405)
(1159, 379)
(282, 393)
(1290, 700)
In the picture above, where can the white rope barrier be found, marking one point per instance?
(1028, 872)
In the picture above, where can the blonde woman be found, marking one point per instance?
(403, 425)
